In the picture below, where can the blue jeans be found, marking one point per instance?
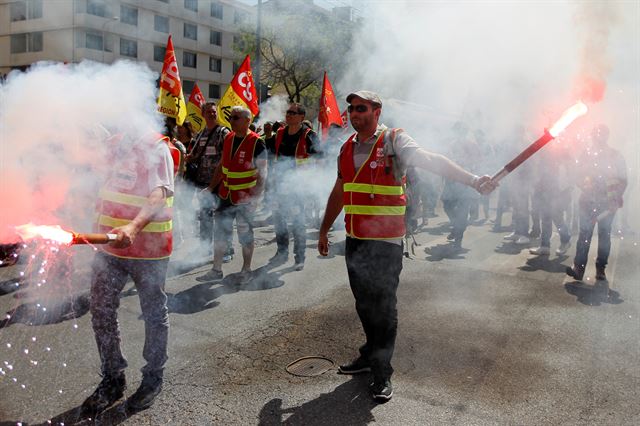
(458, 211)
(551, 212)
(291, 207)
(109, 276)
(588, 218)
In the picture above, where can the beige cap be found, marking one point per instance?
(365, 95)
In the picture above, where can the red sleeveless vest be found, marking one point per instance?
(120, 202)
(374, 201)
(240, 174)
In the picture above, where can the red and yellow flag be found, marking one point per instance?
(170, 99)
(328, 113)
(194, 109)
(241, 91)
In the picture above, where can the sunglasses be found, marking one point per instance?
(292, 112)
(357, 108)
(236, 117)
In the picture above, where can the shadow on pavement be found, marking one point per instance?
(444, 251)
(113, 416)
(58, 311)
(441, 228)
(511, 248)
(202, 296)
(350, 403)
(545, 264)
(9, 286)
(593, 295)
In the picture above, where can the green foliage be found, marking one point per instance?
(296, 50)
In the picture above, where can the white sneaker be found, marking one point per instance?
(522, 240)
(563, 248)
(510, 237)
(538, 251)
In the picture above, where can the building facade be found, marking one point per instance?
(202, 31)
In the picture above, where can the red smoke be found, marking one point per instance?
(589, 89)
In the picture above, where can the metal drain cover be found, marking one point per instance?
(310, 366)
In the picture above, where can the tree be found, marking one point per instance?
(297, 49)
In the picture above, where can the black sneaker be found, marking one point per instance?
(144, 396)
(360, 365)
(575, 272)
(451, 237)
(382, 390)
(212, 275)
(110, 389)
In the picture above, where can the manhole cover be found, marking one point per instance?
(310, 366)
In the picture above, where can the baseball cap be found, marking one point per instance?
(366, 95)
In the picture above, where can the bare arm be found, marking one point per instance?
(331, 212)
(441, 165)
(216, 178)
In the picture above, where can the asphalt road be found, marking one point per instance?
(492, 335)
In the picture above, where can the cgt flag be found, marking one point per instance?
(241, 91)
(328, 113)
(170, 99)
(345, 119)
(194, 109)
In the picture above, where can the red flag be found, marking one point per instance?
(345, 120)
(170, 98)
(194, 106)
(329, 112)
(241, 91)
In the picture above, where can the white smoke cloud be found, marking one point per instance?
(53, 121)
(493, 64)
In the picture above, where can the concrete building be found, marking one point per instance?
(202, 31)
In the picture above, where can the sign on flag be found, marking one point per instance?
(170, 99)
(194, 109)
(328, 113)
(345, 120)
(241, 92)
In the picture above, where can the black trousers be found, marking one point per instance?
(374, 273)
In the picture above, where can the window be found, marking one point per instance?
(164, 1)
(158, 53)
(238, 18)
(215, 37)
(129, 15)
(161, 23)
(215, 64)
(191, 5)
(189, 59)
(26, 9)
(216, 10)
(128, 48)
(235, 67)
(97, 7)
(214, 91)
(94, 41)
(187, 87)
(190, 31)
(26, 42)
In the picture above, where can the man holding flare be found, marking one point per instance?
(371, 172)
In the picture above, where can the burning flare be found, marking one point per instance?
(59, 235)
(578, 110)
(53, 233)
